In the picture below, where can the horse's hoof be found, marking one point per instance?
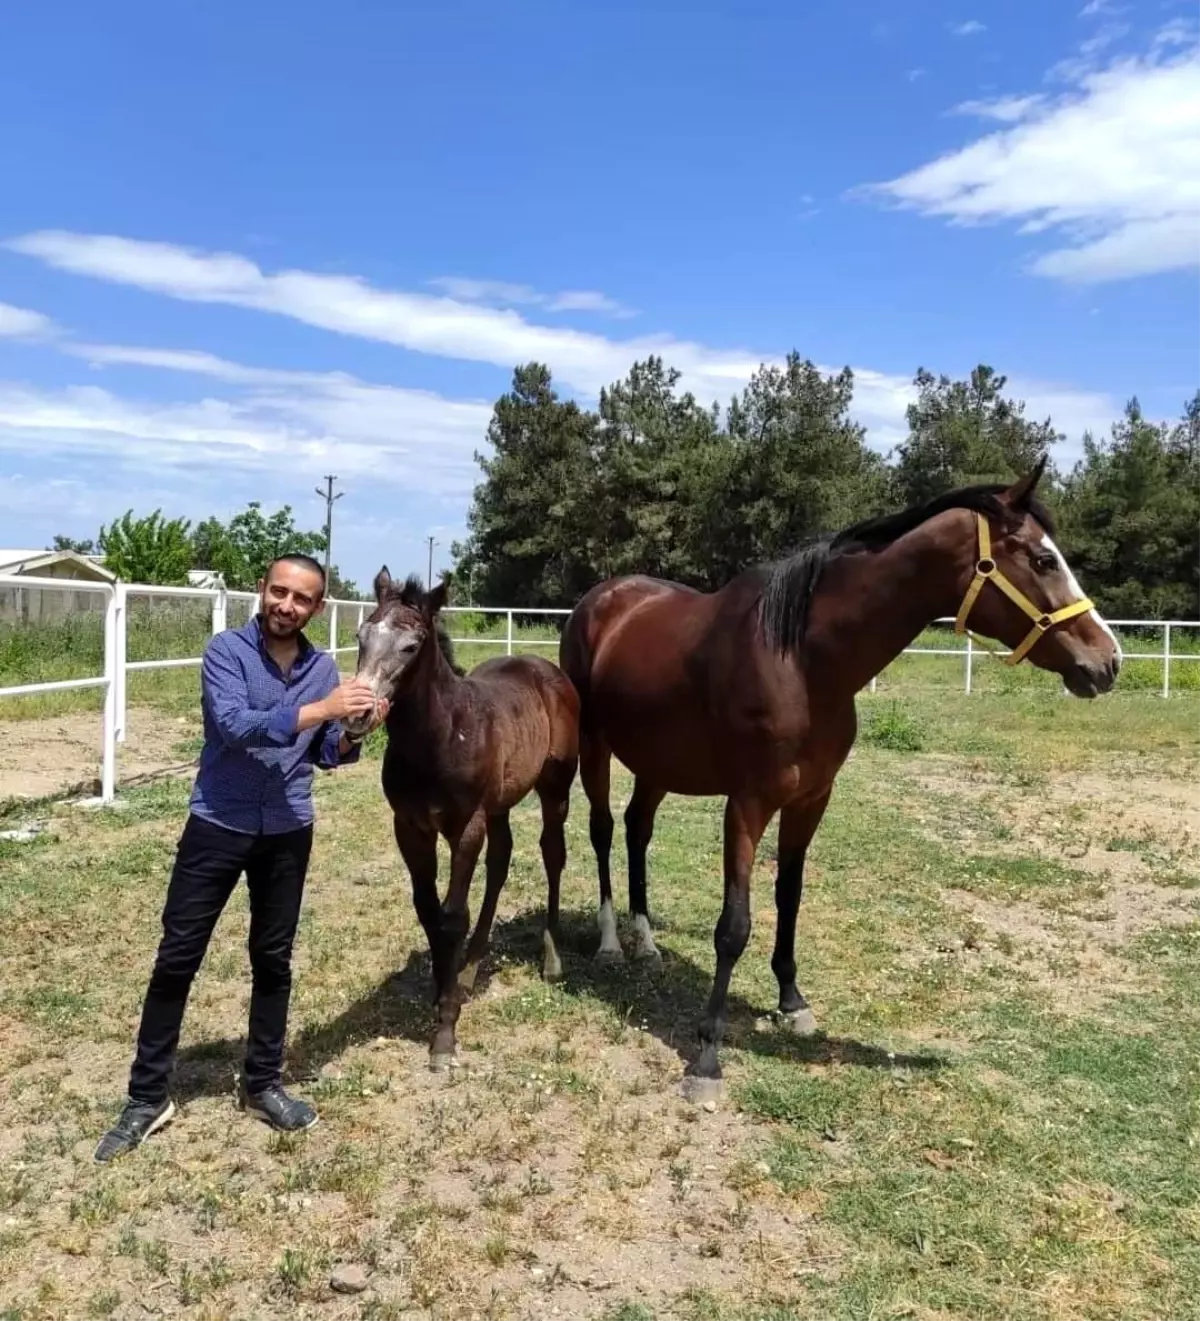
(552, 973)
(800, 1022)
(443, 1062)
(648, 960)
(609, 958)
(701, 1091)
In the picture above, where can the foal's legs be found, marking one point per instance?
(595, 766)
(499, 853)
(418, 847)
(455, 918)
(639, 829)
(555, 794)
(797, 825)
(744, 825)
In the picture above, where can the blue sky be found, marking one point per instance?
(243, 246)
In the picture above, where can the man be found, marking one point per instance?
(271, 704)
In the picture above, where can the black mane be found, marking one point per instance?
(790, 583)
(413, 595)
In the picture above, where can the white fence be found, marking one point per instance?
(117, 666)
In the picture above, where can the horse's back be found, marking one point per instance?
(527, 693)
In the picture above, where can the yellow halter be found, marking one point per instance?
(987, 570)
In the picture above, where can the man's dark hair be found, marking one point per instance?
(304, 561)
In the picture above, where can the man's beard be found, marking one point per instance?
(282, 628)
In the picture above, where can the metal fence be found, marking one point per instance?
(114, 599)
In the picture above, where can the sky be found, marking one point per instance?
(244, 246)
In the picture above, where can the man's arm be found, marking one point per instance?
(224, 687)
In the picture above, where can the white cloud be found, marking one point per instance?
(398, 438)
(971, 28)
(442, 326)
(21, 323)
(503, 293)
(1004, 109)
(1113, 164)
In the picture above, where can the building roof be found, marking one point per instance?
(33, 562)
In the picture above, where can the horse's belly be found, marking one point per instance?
(672, 758)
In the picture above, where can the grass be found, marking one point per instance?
(999, 935)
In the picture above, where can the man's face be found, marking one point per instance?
(291, 595)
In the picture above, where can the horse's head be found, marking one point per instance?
(390, 640)
(1020, 590)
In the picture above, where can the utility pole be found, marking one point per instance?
(429, 579)
(328, 496)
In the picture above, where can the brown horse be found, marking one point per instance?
(749, 692)
(462, 751)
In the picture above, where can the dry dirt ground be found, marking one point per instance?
(50, 756)
(964, 929)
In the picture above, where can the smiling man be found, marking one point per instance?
(272, 705)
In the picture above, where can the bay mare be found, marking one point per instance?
(462, 751)
(749, 692)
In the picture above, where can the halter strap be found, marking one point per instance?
(987, 570)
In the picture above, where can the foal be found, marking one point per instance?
(462, 751)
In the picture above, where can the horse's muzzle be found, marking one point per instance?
(1090, 680)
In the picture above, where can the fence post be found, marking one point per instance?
(112, 667)
(509, 643)
(220, 612)
(1166, 660)
(871, 685)
(333, 630)
(122, 695)
(970, 662)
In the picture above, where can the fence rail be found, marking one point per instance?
(116, 666)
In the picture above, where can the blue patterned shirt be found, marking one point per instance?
(256, 771)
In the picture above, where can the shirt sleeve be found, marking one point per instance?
(224, 689)
(327, 744)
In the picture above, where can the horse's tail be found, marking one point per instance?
(575, 655)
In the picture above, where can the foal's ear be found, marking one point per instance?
(382, 584)
(1019, 493)
(437, 598)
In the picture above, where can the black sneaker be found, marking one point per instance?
(138, 1120)
(275, 1107)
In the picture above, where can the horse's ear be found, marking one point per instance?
(1019, 493)
(436, 599)
(383, 583)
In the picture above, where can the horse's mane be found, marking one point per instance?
(790, 583)
(413, 594)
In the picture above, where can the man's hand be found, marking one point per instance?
(351, 698)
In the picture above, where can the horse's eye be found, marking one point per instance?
(1046, 563)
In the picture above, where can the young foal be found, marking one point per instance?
(749, 692)
(461, 753)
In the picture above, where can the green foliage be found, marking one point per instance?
(894, 728)
(1131, 517)
(963, 432)
(151, 549)
(155, 550)
(655, 482)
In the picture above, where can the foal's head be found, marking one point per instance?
(1018, 588)
(403, 625)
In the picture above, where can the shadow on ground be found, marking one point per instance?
(667, 1003)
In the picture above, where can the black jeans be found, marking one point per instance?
(208, 865)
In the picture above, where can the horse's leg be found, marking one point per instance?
(499, 852)
(418, 848)
(639, 829)
(555, 794)
(797, 825)
(454, 919)
(595, 766)
(745, 822)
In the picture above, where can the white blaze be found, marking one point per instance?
(1079, 593)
